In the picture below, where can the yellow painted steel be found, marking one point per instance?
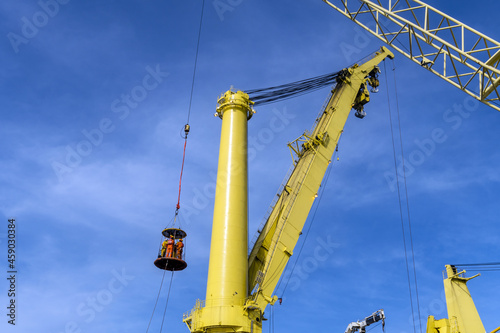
(223, 309)
(229, 307)
(462, 313)
(278, 237)
(457, 53)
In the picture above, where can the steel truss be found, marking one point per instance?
(460, 55)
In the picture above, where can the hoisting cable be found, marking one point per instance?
(166, 304)
(271, 326)
(187, 127)
(156, 303)
(483, 264)
(196, 60)
(482, 267)
(407, 198)
(400, 201)
(178, 206)
(406, 195)
(274, 94)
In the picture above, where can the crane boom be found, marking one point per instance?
(457, 53)
(360, 326)
(313, 152)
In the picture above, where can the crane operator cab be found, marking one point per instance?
(172, 250)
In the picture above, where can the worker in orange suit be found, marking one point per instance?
(170, 246)
(179, 246)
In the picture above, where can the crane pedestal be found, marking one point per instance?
(227, 286)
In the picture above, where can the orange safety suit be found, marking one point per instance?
(179, 247)
(170, 247)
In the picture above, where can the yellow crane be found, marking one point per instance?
(240, 286)
(462, 313)
(458, 54)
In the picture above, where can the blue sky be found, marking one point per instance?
(91, 175)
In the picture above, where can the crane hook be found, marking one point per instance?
(186, 131)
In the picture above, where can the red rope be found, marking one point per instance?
(180, 179)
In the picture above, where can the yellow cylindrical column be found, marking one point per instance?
(228, 268)
(224, 309)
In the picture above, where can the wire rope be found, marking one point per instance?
(166, 304)
(272, 318)
(483, 264)
(480, 267)
(178, 206)
(196, 60)
(274, 94)
(156, 303)
(281, 92)
(187, 127)
(186, 131)
(406, 196)
(271, 322)
(374, 326)
(400, 203)
(484, 270)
